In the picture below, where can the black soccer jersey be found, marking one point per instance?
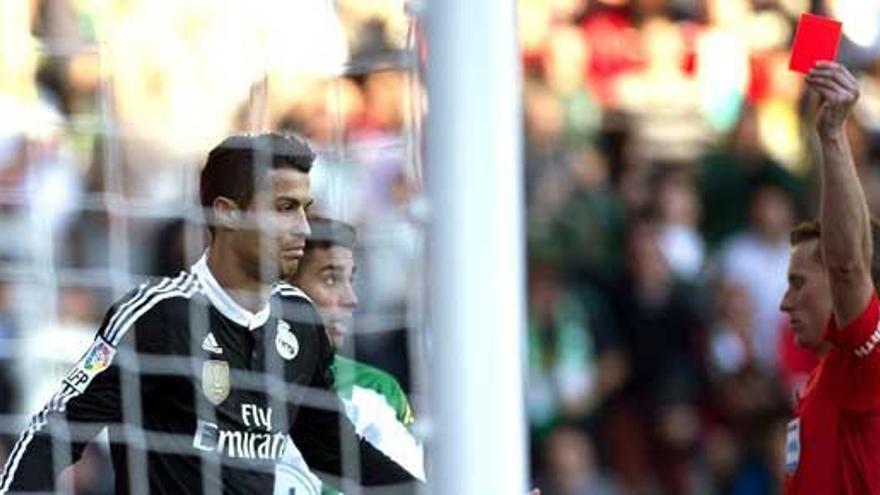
(198, 396)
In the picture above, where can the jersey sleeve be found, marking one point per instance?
(852, 367)
(292, 474)
(88, 399)
(323, 432)
(353, 373)
(396, 397)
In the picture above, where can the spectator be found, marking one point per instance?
(678, 209)
(757, 259)
(574, 362)
(586, 227)
(732, 339)
(661, 327)
(730, 172)
(662, 101)
(659, 321)
(572, 465)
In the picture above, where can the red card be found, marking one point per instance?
(816, 39)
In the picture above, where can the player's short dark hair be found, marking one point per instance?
(812, 230)
(327, 233)
(239, 164)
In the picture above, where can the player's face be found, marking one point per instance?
(807, 300)
(326, 275)
(281, 223)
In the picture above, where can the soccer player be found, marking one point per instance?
(831, 301)
(200, 378)
(374, 400)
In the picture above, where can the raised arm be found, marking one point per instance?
(846, 231)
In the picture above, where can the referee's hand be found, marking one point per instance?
(838, 91)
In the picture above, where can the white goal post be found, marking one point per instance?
(476, 297)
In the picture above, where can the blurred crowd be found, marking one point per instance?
(669, 150)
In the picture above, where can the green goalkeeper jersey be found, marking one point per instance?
(372, 398)
(352, 377)
(381, 413)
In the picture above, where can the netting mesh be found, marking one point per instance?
(109, 109)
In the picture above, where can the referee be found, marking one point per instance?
(831, 300)
(200, 378)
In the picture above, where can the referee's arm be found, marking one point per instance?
(87, 399)
(845, 222)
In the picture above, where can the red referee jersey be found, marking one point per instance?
(833, 446)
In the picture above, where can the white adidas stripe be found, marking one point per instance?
(139, 296)
(285, 287)
(58, 402)
(135, 312)
(288, 292)
(147, 290)
(55, 403)
(291, 291)
(35, 423)
(210, 344)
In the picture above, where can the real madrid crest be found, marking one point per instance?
(285, 341)
(215, 380)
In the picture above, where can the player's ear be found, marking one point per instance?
(226, 213)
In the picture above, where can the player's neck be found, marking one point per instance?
(249, 292)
